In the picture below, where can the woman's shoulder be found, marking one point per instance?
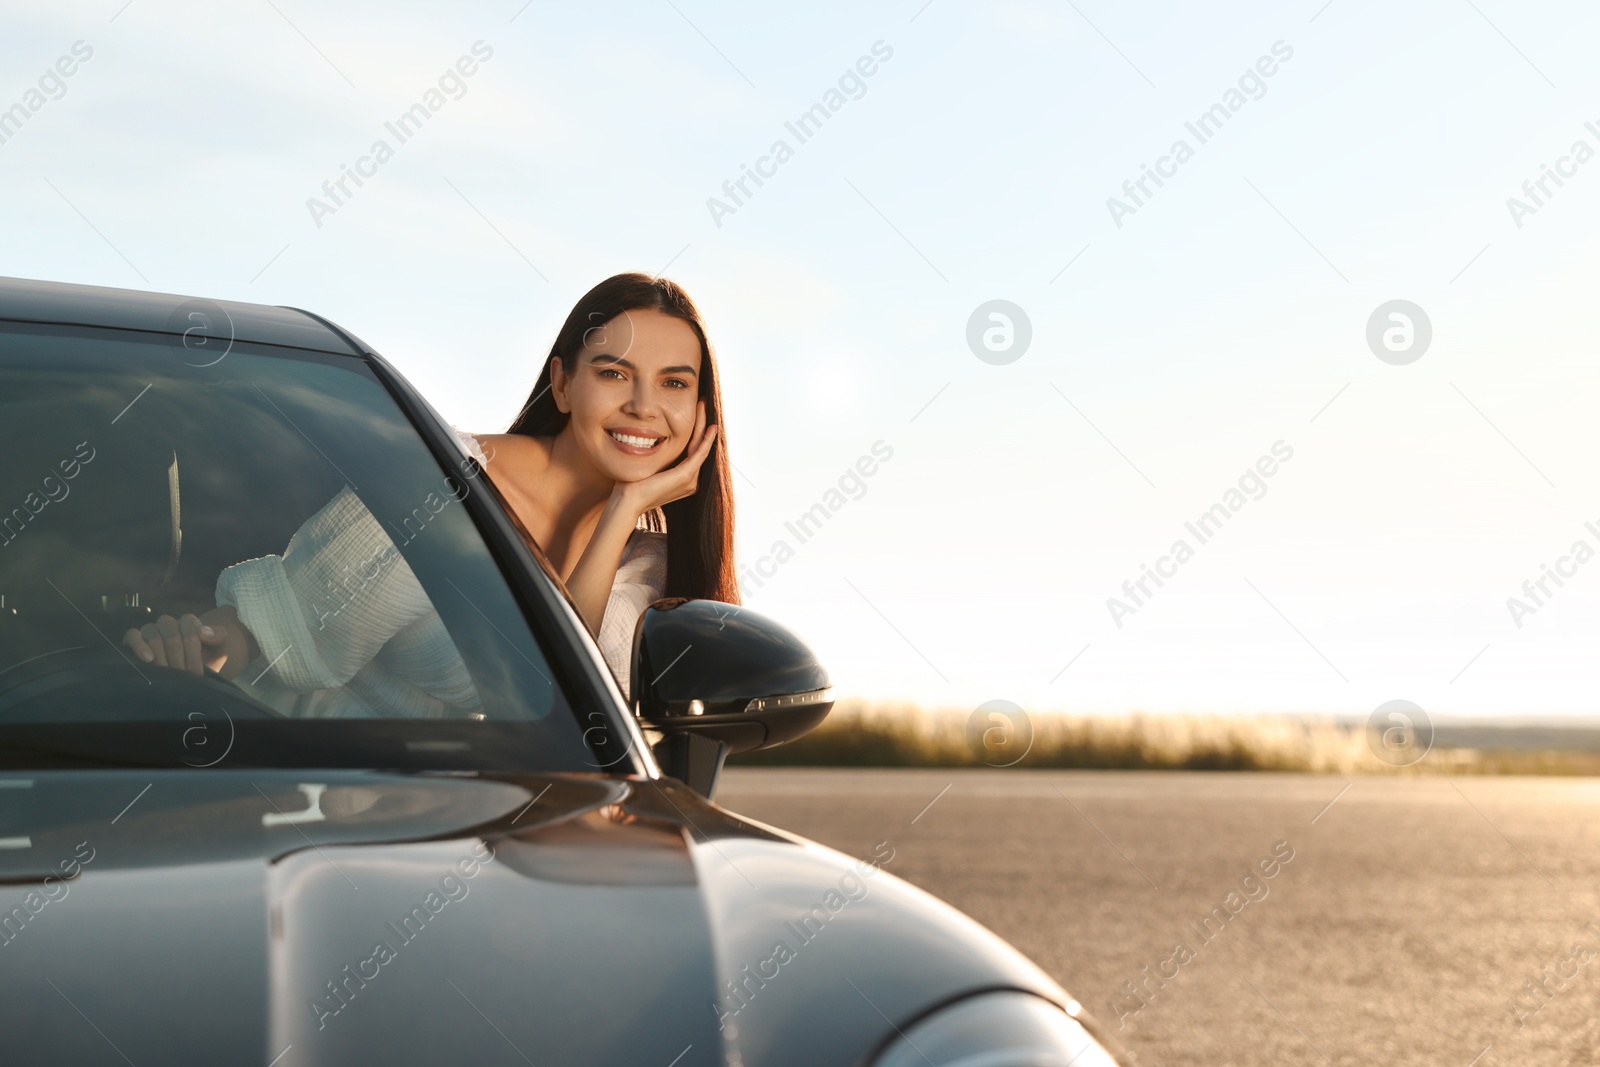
(485, 446)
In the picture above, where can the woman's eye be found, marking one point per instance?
(611, 372)
(676, 383)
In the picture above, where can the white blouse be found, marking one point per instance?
(346, 630)
(641, 578)
(344, 627)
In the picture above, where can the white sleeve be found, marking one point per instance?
(641, 578)
(472, 445)
(322, 610)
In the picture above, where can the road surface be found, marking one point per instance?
(1408, 924)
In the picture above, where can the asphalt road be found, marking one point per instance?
(1411, 915)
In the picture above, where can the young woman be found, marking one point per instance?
(615, 466)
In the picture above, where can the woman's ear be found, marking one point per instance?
(558, 385)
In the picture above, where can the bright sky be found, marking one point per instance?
(1228, 312)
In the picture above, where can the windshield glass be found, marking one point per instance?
(282, 495)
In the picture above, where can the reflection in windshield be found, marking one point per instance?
(344, 627)
(280, 484)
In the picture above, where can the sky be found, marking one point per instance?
(1158, 351)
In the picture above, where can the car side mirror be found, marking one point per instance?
(715, 679)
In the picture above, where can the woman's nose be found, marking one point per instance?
(641, 401)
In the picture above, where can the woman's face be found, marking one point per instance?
(632, 393)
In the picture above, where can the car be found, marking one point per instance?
(441, 838)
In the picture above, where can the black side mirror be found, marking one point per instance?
(715, 679)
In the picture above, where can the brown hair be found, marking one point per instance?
(699, 527)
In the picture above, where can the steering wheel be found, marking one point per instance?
(105, 685)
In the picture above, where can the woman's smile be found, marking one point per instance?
(635, 442)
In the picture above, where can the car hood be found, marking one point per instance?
(298, 918)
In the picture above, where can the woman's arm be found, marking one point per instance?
(322, 610)
(590, 584)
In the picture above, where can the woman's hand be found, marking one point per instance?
(676, 482)
(590, 581)
(192, 643)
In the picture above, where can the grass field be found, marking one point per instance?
(859, 734)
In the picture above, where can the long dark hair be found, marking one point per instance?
(699, 527)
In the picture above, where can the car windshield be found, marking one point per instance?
(144, 478)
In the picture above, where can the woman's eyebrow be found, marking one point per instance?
(617, 361)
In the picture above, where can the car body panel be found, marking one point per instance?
(603, 921)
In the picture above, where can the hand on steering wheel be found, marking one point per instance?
(193, 643)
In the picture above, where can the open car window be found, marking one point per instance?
(144, 478)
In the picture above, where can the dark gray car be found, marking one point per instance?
(423, 826)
